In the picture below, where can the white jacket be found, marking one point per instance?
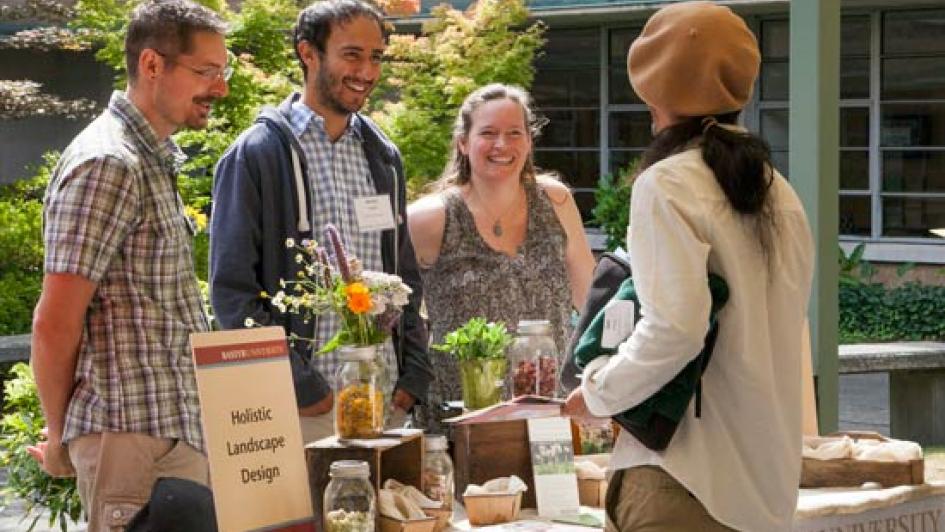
(742, 458)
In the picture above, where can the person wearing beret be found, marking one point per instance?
(708, 200)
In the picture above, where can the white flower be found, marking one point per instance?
(299, 258)
(249, 322)
(377, 308)
(290, 243)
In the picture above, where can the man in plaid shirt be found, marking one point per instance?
(120, 298)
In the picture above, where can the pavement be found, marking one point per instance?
(864, 405)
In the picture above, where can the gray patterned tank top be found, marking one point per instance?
(471, 279)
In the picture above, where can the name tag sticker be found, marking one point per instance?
(618, 323)
(374, 213)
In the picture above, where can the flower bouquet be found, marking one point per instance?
(480, 348)
(368, 305)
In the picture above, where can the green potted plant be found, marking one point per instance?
(479, 346)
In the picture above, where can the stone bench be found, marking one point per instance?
(15, 348)
(916, 385)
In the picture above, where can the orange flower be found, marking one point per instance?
(359, 298)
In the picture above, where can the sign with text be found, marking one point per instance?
(920, 515)
(251, 427)
(552, 451)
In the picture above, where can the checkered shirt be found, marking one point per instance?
(338, 172)
(113, 215)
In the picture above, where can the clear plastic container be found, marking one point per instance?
(360, 393)
(438, 471)
(534, 360)
(349, 502)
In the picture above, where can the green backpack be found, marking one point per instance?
(653, 422)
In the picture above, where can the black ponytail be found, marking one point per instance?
(741, 163)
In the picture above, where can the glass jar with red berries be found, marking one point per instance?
(533, 360)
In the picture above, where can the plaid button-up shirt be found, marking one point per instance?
(113, 215)
(338, 172)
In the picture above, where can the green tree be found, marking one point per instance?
(612, 210)
(429, 76)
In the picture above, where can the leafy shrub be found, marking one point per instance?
(21, 425)
(19, 292)
(429, 76)
(21, 248)
(871, 312)
(612, 212)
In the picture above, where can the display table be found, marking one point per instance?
(900, 509)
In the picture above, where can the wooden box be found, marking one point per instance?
(492, 509)
(492, 449)
(388, 524)
(401, 461)
(848, 472)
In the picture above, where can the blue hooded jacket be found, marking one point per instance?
(261, 197)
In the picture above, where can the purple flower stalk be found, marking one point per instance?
(341, 258)
(323, 264)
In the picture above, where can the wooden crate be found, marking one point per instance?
(492, 449)
(848, 472)
(387, 524)
(402, 462)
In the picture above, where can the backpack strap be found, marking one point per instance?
(704, 357)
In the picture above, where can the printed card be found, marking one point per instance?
(552, 453)
(251, 429)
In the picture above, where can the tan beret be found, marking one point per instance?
(694, 59)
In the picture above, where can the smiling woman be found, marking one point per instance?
(496, 240)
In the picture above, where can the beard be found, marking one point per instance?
(328, 85)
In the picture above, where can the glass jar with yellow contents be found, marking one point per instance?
(360, 398)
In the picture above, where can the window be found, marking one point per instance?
(628, 120)
(912, 123)
(566, 90)
(907, 197)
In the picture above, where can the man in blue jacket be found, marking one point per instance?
(312, 161)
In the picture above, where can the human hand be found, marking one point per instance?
(52, 456)
(403, 400)
(575, 407)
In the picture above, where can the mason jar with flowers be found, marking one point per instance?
(368, 305)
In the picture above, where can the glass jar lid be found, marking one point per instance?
(534, 327)
(349, 469)
(435, 442)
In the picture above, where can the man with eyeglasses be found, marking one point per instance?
(120, 298)
(313, 160)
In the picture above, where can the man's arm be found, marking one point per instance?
(416, 373)
(57, 332)
(236, 240)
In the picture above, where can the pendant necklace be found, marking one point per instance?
(497, 225)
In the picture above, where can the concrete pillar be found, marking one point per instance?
(814, 163)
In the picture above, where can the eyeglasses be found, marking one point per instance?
(209, 74)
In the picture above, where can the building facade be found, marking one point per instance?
(891, 116)
(892, 109)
